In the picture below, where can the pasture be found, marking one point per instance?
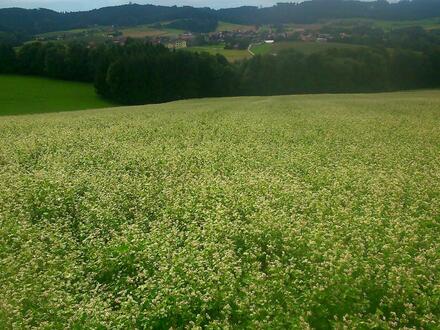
(143, 31)
(69, 32)
(26, 94)
(226, 26)
(291, 212)
(231, 54)
(301, 46)
(92, 34)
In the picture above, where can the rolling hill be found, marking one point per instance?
(317, 211)
(36, 21)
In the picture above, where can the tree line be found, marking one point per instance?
(360, 69)
(135, 73)
(365, 33)
(139, 73)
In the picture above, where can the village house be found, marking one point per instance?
(307, 37)
(121, 40)
(177, 44)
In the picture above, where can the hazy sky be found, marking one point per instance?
(73, 5)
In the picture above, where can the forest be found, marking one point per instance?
(34, 21)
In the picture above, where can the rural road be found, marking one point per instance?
(250, 51)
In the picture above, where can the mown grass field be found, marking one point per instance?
(231, 54)
(289, 212)
(24, 94)
(226, 26)
(100, 33)
(142, 31)
(304, 47)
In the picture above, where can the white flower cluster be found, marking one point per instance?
(268, 213)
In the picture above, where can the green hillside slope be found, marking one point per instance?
(301, 212)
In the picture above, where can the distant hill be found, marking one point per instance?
(314, 10)
(34, 21)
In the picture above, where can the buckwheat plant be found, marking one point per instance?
(294, 212)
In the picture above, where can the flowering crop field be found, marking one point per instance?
(292, 212)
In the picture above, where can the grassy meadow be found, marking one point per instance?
(98, 32)
(69, 32)
(21, 94)
(291, 212)
(304, 47)
(143, 31)
(226, 26)
(231, 54)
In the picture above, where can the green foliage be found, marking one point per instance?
(139, 73)
(71, 61)
(360, 33)
(427, 24)
(7, 59)
(21, 95)
(204, 25)
(12, 38)
(290, 212)
(338, 70)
